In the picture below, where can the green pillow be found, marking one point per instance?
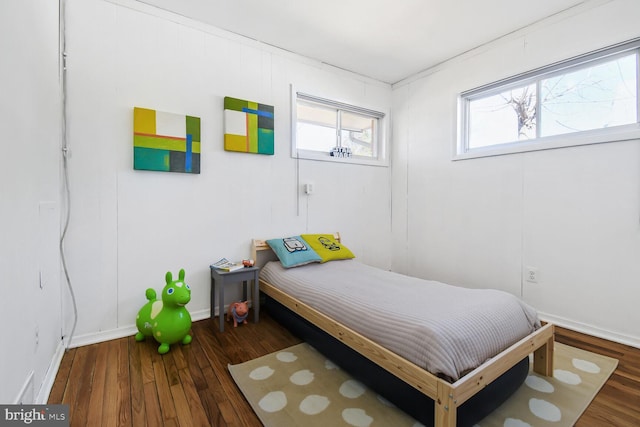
(327, 247)
(293, 251)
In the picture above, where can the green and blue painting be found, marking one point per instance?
(248, 126)
(165, 142)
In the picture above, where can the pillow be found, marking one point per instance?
(327, 247)
(293, 251)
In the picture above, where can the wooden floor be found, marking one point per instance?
(125, 383)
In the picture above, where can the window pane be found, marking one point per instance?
(314, 137)
(505, 117)
(316, 127)
(318, 114)
(334, 131)
(358, 133)
(595, 97)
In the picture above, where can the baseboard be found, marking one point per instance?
(50, 377)
(584, 328)
(591, 330)
(97, 337)
(26, 392)
(125, 331)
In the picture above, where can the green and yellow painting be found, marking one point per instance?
(248, 126)
(165, 142)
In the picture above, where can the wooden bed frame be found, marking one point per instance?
(447, 396)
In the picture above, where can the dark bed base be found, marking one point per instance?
(387, 385)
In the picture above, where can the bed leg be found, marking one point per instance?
(543, 359)
(445, 407)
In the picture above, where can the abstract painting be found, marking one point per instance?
(165, 142)
(248, 126)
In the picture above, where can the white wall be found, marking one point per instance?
(572, 213)
(30, 202)
(129, 227)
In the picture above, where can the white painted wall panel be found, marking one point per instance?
(30, 189)
(572, 213)
(130, 227)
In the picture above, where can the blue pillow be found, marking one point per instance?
(293, 251)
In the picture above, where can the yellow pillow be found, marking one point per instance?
(327, 247)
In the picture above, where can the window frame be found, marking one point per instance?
(380, 157)
(626, 132)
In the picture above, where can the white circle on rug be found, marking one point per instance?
(545, 410)
(539, 384)
(313, 404)
(273, 401)
(514, 422)
(356, 417)
(261, 373)
(567, 377)
(352, 389)
(585, 366)
(286, 356)
(302, 377)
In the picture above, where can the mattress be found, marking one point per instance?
(444, 329)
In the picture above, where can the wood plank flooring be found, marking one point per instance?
(618, 402)
(125, 383)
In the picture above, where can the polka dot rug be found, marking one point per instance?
(300, 387)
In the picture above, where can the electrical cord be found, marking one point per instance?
(65, 168)
(65, 152)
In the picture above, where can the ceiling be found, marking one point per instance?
(382, 39)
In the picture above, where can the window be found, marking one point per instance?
(585, 100)
(333, 131)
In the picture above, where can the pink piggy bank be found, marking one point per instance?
(238, 311)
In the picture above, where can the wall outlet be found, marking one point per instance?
(531, 274)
